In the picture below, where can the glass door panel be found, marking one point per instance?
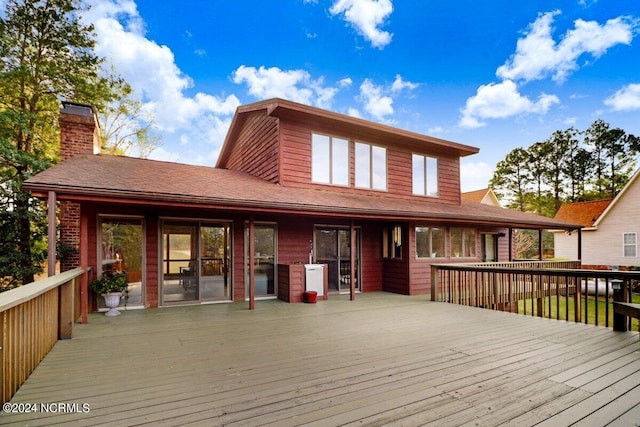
(264, 268)
(121, 249)
(215, 250)
(326, 252)
(344, 245)
(333, 247)
(179, 263)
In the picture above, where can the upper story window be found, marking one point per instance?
(630, 245)
(371, 166)
(329, 160)
(463, 242)
(425, 175)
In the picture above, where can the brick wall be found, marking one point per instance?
(79, 134)
(78, 131)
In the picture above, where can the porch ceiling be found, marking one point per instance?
(106, 178)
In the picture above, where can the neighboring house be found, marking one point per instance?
(610, 233)
(485, 196)
(293, 184)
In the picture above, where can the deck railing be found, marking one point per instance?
(32, 319)
(557, 290)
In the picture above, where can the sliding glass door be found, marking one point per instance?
(196, 259)
(333, 247)
(121, 250)
(264, 260)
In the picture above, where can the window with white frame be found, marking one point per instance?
(430, 242)
(329, 160)
(425, 175)
(630, 245)
(371, 166)
(463, 242)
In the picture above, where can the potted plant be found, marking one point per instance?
(112, 286)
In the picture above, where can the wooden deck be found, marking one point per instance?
(383, 359)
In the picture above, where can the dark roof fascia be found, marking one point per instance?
(288, 109)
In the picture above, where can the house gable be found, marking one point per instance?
(273, 140)
(606, 223)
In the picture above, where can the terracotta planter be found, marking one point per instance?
(310, 297)
(112, 301)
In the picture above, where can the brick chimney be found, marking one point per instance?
(79, 131)
(79, 134)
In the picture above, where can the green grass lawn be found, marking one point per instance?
(559, 308)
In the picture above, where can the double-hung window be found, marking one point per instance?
(630, 245)
(329, 160)
(371, 166)
(425, 175)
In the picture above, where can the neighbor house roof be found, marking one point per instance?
(485, 195)
(584, 213)
(116, 179)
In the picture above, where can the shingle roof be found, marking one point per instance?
(583, 213)
(113, 178)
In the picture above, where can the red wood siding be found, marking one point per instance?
(295, 160)
(255, 150)
(238, 260)
(371, 257)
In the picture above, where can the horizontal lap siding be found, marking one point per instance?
(255, 150)
(371, 256)
(294, 235)
(295, 140)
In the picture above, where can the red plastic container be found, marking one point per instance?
(310, 297)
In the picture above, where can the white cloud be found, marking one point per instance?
(366, 17)
(346, 82)
(625, 99)
(294, 85)
(538, 55)
(501, 100)
(375, 103)
(153, 74)
(378, 100)
(399, 84)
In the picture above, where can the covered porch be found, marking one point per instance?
(381, 359)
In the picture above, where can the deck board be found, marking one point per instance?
(379, 360)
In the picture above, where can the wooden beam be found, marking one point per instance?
(52, 235)
(580, 244)
(510, 244)
(540, 244)
(352, 272)
(252, 273)
(84, 264)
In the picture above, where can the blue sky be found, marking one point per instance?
(493, 74)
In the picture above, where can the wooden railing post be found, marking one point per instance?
(619, 295)
(65, 309)
(434, 283)
(3, 393)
